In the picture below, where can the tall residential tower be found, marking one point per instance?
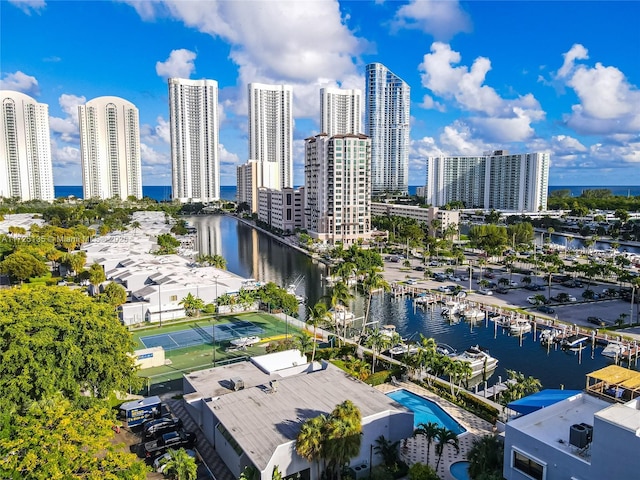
(271, 130)
(493, 180)
(25, 149)
(340, 111)
(110, 148)
(193, 119)
(387, 116)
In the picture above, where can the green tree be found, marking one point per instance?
(114, 294)
(342, 436)
(377, 342)
(52, 439)
(420, 471)
(486, 457)
(96, 274)
(192, 305)
(54, 339)
(181, 466)
(310, 442)
(445, 437)
(168, 244)
(388, 450)
(429, 431)
(21, 266)
(318, 315)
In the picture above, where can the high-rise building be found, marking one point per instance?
(193, 120)
(340, 111)
(249, 178)
(271, 130)
(25, 151)
(493, 180)
(387, 115)
(338, 188)
(110, 148)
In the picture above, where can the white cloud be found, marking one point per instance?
(151, 157)
(67, 128)
(458, 139)
(296, 43)
(496, 118)
(442, 19)
(28, 5)
(158, 134)
(609, 104)
(178, 65)
(428, 103)
(566, 145)
(20, 82)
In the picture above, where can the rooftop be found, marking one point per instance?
(552, 425)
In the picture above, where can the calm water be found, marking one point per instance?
(255, 255)
(425, 411)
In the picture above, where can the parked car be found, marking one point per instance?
(502, 290)
(545, 309)
(411, 281)
(419, 268)
(485, 291)
(175, 440)
(160, 463)
(489, 275)
(152, 429)
(453, 278)
(446, 288)
(597, 321)
(533, 300)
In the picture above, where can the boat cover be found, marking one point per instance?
(541, 399)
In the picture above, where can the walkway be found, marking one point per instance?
(416, 450)
(216, 467)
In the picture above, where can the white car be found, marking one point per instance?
(485, 291)
(445, 288)
(453, 278)
(532, 300)
(513, 283)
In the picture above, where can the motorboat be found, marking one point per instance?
(444, 349)
(574, 342)
(614, 350)
(520, 326)
(473, 313)
(388, 331)
(451, 308)
(550, 335)
(341, 315)
(479, 360)
(403, 348)
(245, 341)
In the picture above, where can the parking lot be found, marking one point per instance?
(609, 309)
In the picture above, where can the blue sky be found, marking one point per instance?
(551, 76)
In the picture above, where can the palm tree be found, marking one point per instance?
(318, 315)
(343, 436)
(304, 341)
(310, 442)
(486, 456)
(360, 369)
(340, 296)
(373, 282)
(246, 298)
(444, 437)
(192, 305)
(388, 450)
(377, 342)
(429, 431)
(181, 466)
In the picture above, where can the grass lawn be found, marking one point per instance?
(185, 360)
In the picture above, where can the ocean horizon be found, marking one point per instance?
(162, 193)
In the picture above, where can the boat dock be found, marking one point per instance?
(493, 392)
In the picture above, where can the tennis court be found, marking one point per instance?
(198, 335)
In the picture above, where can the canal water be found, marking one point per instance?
(253, 254)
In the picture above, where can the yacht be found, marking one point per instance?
(520, 326)
(614, 350)
(479, 359)
(575, 342)
(550, 335)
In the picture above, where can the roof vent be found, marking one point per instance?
(237, 383)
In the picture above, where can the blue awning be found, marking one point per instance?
(541, 399)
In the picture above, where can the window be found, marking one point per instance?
(173, 298)
(528, 466)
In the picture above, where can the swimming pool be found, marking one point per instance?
(425, 411)
(460, 470)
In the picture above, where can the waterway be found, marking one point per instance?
(254, 254)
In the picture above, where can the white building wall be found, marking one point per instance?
(25, 148)
(271, 131)
(193, 120)
(110, 148)
(340, 111)
(387, 123)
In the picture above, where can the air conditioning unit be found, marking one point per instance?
(589, 431)
(237, 383)
(578, 435)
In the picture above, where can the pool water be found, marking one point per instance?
(460, 470)
(425, 411)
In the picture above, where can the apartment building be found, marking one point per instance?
(281, 209)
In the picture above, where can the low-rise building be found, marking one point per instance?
(420, 214)
(282, 210)
(251, 412)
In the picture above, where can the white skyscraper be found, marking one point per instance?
(492, 180)
(193, 117)
(110, 148)
(340, 111)
(271, 129)
(387, 117)
(25, 151)
(338, 188)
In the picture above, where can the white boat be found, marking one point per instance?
(245, 341)
(549, 335)
(388, 331)
(479, 359)
(403, 348)
(614, 350)
(473, 313)
(444, 349)
(342, 315)
(519, 326)
(451, 308)
(575, 342)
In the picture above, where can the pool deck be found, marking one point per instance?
(416, 449)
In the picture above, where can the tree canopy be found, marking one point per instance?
(53, 339)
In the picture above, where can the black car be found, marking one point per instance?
(545, 309)
(153, 429)
(597, 321)
(174, 440)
